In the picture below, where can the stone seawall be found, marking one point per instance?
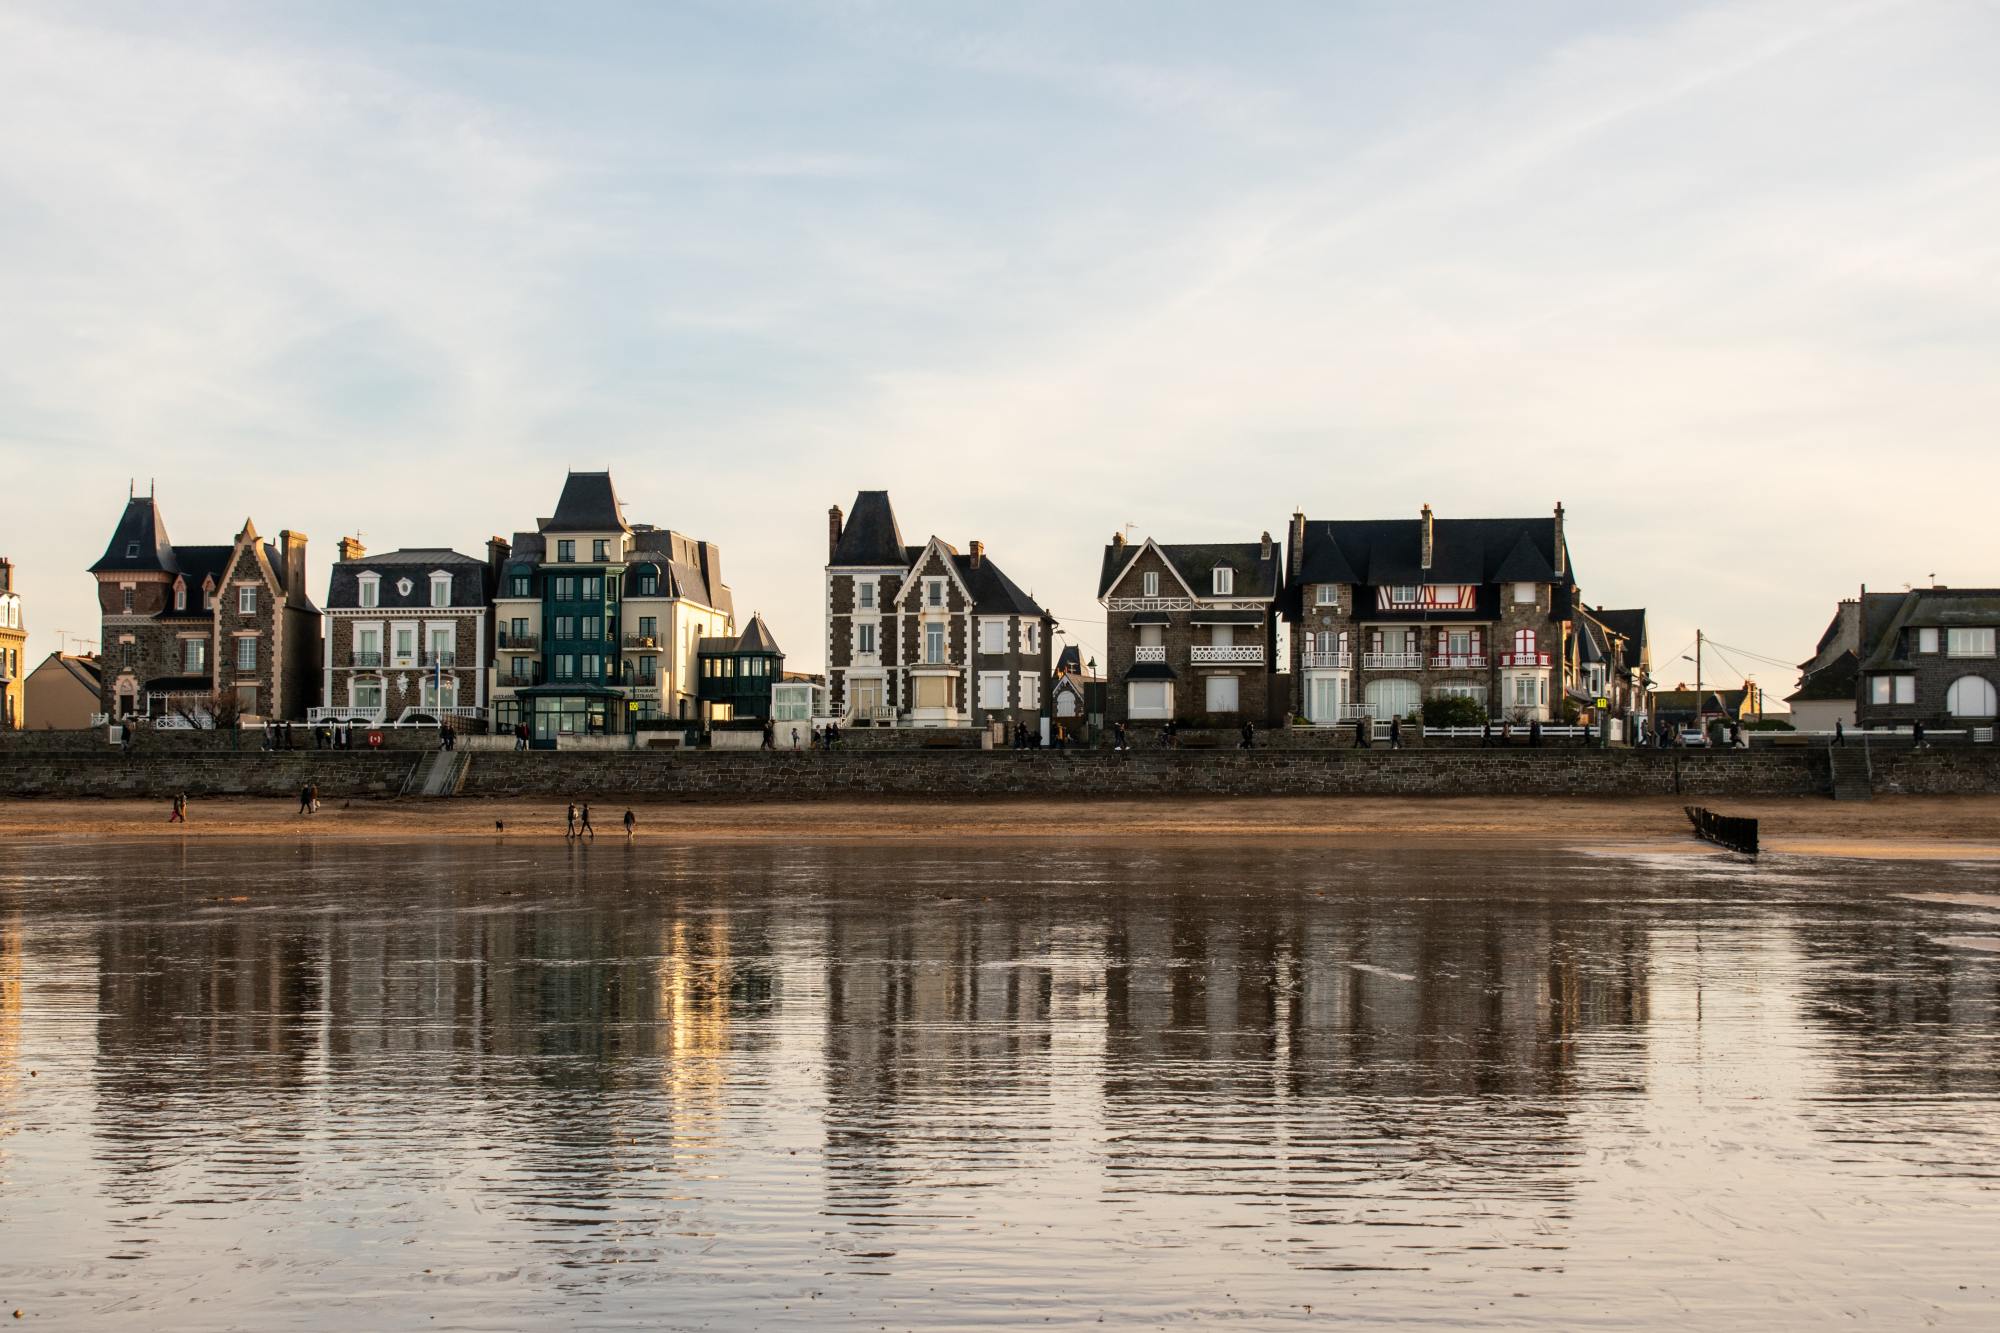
(977, 775)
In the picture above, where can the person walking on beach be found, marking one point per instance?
(585, 827)
(631, 822)
(305, 797)
(180, 814)
(571, 832)
(312, 792)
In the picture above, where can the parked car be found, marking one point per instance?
(1693, 736)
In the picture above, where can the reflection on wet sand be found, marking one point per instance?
(1043, 1084)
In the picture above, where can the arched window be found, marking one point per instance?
(1970, 696)
(1524, 643)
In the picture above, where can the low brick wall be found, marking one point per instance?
(157, 776)
(146, 741)
(976, 775)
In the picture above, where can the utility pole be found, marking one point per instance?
(1698, 725)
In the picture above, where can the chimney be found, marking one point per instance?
(978, 553)
(351, 548)
(6, 574)
(1295, 554)
(497, 551)
(293, 545)
(1562, 547)
(1264, 547)
(832, 532)
(1430, 543)
(1118, 540)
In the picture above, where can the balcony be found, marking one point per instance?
(520, 643)
(342, 714)
(365, 659)
(1392, 661)
(1209, 653)
(1150, 652)
(1326, 661)
(877, 714)
(642, 641)
(1458, 661)
(434, 658)
(1524, 659)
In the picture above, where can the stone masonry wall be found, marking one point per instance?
(159, 776)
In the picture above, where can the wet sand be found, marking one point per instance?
(1949, 827)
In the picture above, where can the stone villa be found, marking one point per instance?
(409, 635)
(1191, 631)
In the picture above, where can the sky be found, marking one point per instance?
(1722, 279)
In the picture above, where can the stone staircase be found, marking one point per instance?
(441, 774)
(1853, 775)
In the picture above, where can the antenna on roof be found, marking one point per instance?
(131, 488)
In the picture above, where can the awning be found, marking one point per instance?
(1150, 618)
(574, 690)
(1227, 618)
(1151, 671)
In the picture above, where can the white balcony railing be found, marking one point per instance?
(1458, 661)
(875, 713)
(344, 713)
(1150, 652)
(1524, 659)
(1251, 653)
(1392, 661)
(1326, 661)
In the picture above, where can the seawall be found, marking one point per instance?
(977, 775)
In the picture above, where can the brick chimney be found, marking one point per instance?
(1562, 546)
(351, 548)
(6, 574)
(1295, 553)
(1430, 542)
(832, 532)
(1264, 547)
(978, 550)
(497, 551)
(293, 546)
(1118, 540)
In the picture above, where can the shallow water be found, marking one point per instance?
(341, 1086)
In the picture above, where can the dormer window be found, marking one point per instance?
(1149, 583)
(649, 584)
(180, 597)
(131, 550)
(368, 591)
(1223, 580)
(1405, 595)
(1327, 595)
(440, 590)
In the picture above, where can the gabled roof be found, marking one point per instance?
(142, 532)
(870, 535)
(993, 593)
(757, 638)
(589, 503)
(1927, 608)
(1834, 681)
(1389, 552)
(1631, 625)
(84, 668)
(1256, 575)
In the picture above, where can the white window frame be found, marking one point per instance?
(1927, 639)
(1403, 594)
(1222, 581)
(1525, 594)
(246, 641)
(943, 641)
(934, 595)
(1149, 700)
(1327, 595)
(1031, 689)
(1235, 691)
(440, 590)
(1971, 641)
(1149, 583)
(864, 594)
(864, 637)
(993, 689)
(1031, 637)
(1955, 694)
(992, 637)
(368, 591)
(246, 599)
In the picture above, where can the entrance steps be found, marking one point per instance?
(1853, 775)
(441, 773)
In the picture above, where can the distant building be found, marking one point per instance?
(1076, 694)
(737, 675)
(205, 631)
(1683, 707)
(1386, 613)
(598, 619)
(927, 635)
(1191, 630)
(409, 635)
(65, 692)
(1829, 678)
(1928, 655)
(1615, 663)
(13, 647)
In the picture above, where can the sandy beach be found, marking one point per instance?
(1954, 827)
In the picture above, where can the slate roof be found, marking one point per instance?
(688, 569)
(1939, 608)
(755, 638)
(1631, 624)
(993, 593)
(589, 503)
(1834, 681)
(141, 525)
(471, 581)
(86, 668)
(869, 536)
(1389, 552)
(1256, 575)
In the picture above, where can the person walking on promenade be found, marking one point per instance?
(1917, 735)
(1118, 736)
(585, 827)
(770, 738)
(180, 814)
(1534, 731)
(1839, 733)
(631, 822)
(1486, 735)
(571, 832)
(1248, 740)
